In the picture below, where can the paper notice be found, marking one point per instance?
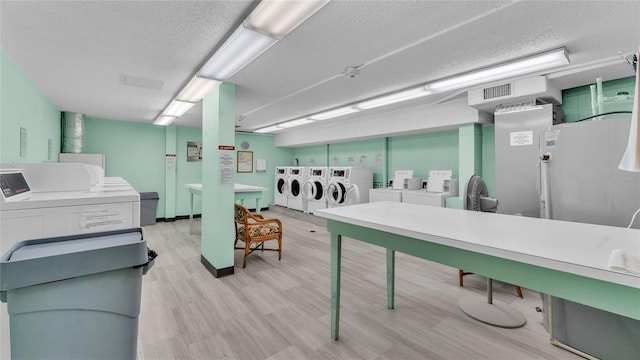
(110, 217)
(520, 138)
(226, 167)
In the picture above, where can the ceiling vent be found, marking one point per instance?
(517, 91)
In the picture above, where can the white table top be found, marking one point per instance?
(577, 248)
(236, 187)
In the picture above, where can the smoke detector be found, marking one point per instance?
(352, 71)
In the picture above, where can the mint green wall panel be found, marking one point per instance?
(24, 105)
(489, 158)
(170, 188)
(424, 152)
(576, 102)
(134, 151)
(218, 125)
(349, 154)
(311, 156)
(187, 172)
(263, 147)
(470, 161)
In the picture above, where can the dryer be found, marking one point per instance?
(42, 200)
(349, 185)
(297, 177)
(314, 190)
(280, 189)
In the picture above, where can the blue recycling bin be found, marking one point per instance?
(75, 297)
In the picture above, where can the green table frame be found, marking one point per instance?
(616, 298)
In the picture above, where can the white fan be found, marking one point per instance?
(487, 311)
(478, 196)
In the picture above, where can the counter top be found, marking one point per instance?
(578, 248)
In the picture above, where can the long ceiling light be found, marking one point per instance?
(164, 120)
(196, 89)
(292, 123)
(527, 65)
(278, 18)
(523, 66)
(242, 47)
(267, 129)
(177, 108)
(269, 22)
(334, 113)
(394, 98)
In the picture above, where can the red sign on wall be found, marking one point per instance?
(226, 147)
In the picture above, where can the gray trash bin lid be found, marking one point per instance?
(40, 261)
(149, 196)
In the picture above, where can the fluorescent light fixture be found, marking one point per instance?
(177, 108)
(277, 18)
(164, 120)
(393, 98)
(527, 65)
(240, 49)
(334, 113)
(631, 158)
(267, 129)
(292, 123)
(196, 89)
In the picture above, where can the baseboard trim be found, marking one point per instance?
(218, 273)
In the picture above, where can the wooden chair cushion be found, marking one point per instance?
(259, 230)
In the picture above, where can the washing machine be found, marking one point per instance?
(42, 200)
(314, 190)
(280, 190)
(349, 185)
(440, 186)
(297, 177)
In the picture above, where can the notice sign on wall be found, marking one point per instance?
(226, 163)
(520, 138)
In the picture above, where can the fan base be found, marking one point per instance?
(496, 314)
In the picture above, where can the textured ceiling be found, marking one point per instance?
(81, 54)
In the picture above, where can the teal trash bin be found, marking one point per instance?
(148, 208)
(75, 297)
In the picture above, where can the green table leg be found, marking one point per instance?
(191, 214)
(391, 275)
(336, 249)
(257, 205)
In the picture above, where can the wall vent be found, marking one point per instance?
(512, 92)
(497, 91)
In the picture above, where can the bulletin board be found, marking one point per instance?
(245, 161)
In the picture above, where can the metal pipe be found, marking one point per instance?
(73, 133)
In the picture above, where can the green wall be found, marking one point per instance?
(312, 155)
(488, 159)
(136, 152)
(187, 172)
(424, 152)
(263, 147)
(420, 152)
(24, 105)
(133, 151)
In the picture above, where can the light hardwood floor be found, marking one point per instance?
(280, 309)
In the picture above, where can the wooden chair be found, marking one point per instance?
(462, 273)
(254, 230)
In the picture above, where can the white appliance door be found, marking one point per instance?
(308, 190)
(337, 193)
(281, 187)
(295, 188)
(353, 195)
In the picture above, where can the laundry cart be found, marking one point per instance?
(75, 297)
